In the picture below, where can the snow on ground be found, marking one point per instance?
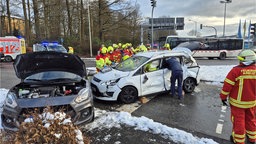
(114, 119)
(212, 74)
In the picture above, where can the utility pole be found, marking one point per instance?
(153, 4)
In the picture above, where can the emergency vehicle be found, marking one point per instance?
(49, 46)
(11, 46)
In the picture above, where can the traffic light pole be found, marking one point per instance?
(152, 30)
(153, 4)
(201, 26)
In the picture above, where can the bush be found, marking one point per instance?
(49, 127)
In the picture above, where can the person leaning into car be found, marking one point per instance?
(177, 74)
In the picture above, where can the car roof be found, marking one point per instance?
(163, 53)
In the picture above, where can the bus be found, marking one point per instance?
(220, 48)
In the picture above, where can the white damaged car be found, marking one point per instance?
(132, 78)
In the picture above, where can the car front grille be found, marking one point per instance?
(28, 112)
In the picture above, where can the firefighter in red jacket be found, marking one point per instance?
(240, 87)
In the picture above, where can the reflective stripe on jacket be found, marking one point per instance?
(240, 86)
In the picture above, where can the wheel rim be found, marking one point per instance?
(189, 85)
(8, 59)
(128, 95)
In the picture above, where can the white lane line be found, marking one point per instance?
(219, 128)
(221, 120)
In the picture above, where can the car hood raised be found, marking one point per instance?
(32, 63)
(111, 75)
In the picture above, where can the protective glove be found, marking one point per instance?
(224, 102)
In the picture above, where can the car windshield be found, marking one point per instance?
(131, 63)
(53, 76)
(58, 48)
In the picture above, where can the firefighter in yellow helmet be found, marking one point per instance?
(239, 88)
(143, 48)
(102, 59)
(70, 50)
(167, 46)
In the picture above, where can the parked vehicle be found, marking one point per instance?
(11, 46)
(49, 79)
(1, 55)
(49, 46)
(130, 80)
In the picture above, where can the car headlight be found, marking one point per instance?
(83, 95)
(10, 100)
(112, 82)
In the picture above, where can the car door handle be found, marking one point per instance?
(145, 79)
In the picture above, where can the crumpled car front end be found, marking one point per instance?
(75, 99)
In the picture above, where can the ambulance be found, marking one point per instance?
(11, 46)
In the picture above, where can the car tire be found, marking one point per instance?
(222, 55)
(129, 94)
(8, 59)
(189, 85)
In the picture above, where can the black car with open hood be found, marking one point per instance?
(31, 63)
(48, 79)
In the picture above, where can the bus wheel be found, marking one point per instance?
(222, 55)
(8, 58)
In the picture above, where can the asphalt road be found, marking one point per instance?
(200, 113)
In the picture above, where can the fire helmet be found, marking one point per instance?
(104, 50)
(247, 57)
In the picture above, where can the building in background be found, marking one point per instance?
(17, 26)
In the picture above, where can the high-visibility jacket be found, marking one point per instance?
(117, 56)
(240, 86)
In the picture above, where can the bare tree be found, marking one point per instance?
(9, 16)
(25, 19)
(36, 17)
(69, 18)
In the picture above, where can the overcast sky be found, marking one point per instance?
(206, 12)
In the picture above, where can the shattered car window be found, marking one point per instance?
(131, 63)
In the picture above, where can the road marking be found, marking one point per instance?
(129, 107)
(134, 106)
(221, 120)
(219, 128)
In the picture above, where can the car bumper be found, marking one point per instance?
(103, 92)
(80, 112)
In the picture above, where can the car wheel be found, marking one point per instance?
(128, 95)
(222, 55)
(8, 59)
(189, 85)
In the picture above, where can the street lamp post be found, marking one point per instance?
(195, 26)
(89, 28)
(225, 9)
(153, 4)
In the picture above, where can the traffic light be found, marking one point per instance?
(252, 30)
(149, 36)
(201, 26)
(153, 3)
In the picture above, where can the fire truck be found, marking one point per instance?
(11, 46)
